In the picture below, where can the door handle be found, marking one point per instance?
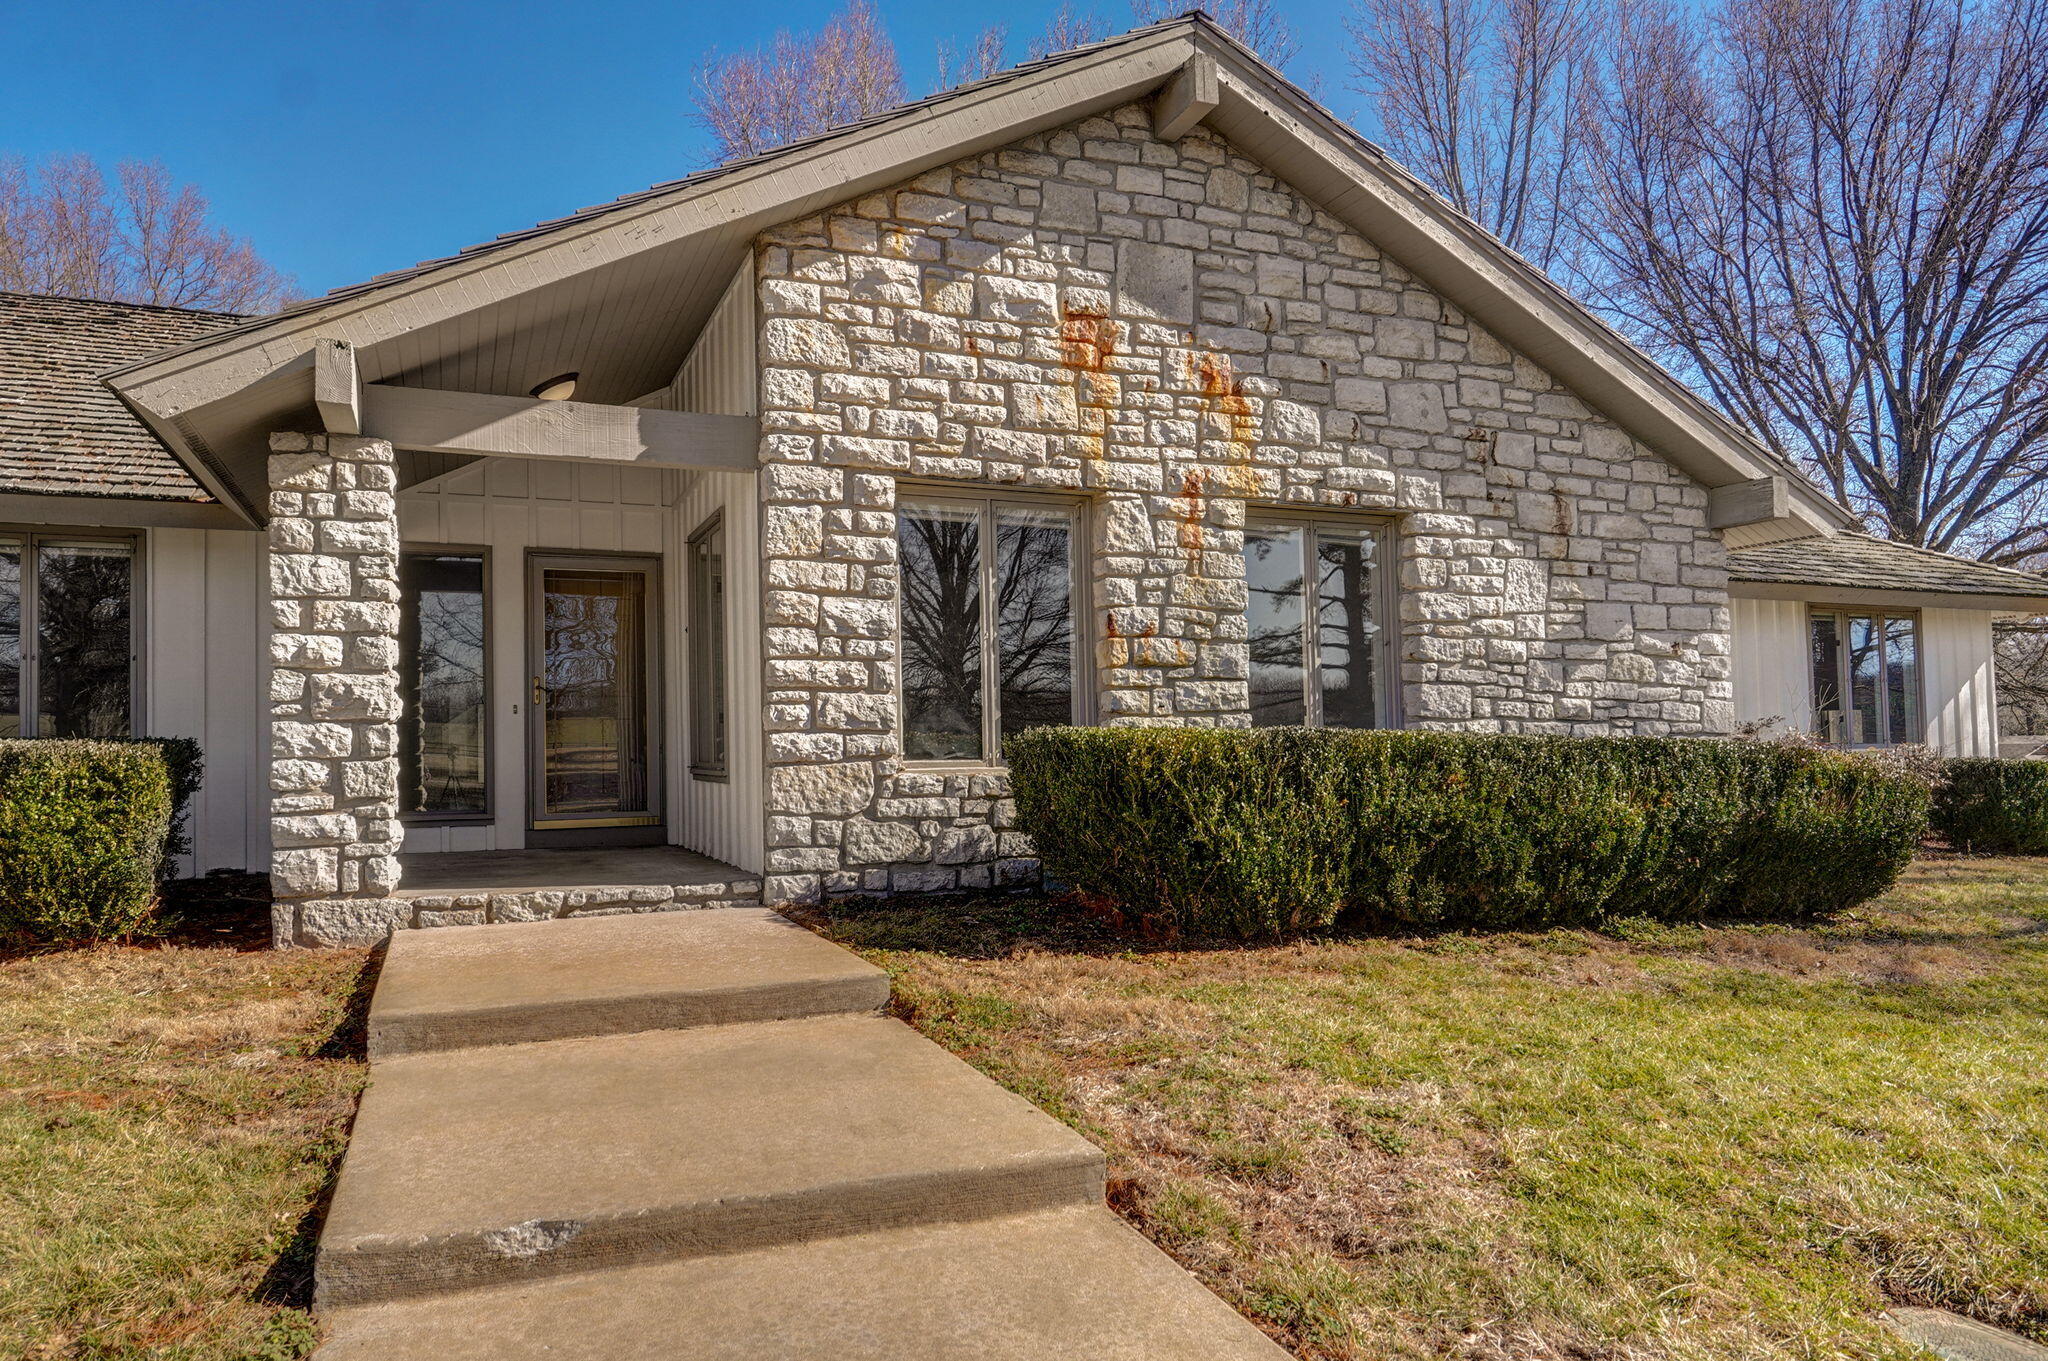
(540, 693)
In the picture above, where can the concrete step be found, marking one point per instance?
(1068, 1283)
(504, 1163)
(462, 986)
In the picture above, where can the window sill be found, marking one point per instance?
(710, 776)
(446, 819)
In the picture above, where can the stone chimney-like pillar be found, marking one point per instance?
(334, 702)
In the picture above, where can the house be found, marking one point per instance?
(707, 544)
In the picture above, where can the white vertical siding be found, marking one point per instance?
(720, 376)
(724, 819)
(205, 658)
(1770, 662)
(508, 506)
(1957, 681)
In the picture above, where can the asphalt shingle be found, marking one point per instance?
(1865, 563)
(62, 432)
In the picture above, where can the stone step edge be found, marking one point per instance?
(376, 1269)
(1125, 1287)
(403, 1034)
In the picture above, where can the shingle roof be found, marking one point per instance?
(64, 432)
(1860, 562)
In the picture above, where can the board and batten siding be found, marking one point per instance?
(205, 664)
(1769, 654)
(725, 818)
(1773, 680)
(1962, 696)
(720, 376)
(507, 507)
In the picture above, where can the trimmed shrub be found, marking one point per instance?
(82, 832)
(1990, 805)
(1265, 832)
(186, 766)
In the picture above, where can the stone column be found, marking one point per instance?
(334, 702)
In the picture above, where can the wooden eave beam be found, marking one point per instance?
(1748, 503)
(337, 392)
(1192, 95)
(481, 425)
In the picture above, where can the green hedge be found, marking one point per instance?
(82, 833)
(1258, 833)
(186, 766)
(1987, 805)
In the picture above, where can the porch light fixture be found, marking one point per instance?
(557, 389)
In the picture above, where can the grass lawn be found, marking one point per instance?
(1729, 1142)
(169, 1116)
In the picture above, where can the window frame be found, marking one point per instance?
(696, 667)
(1385, 601)
(1878, 615)
(985, 502)
(31, 609)
(489, 813)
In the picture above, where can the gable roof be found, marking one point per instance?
(1859, 563)
(618, 291)
(61, 431)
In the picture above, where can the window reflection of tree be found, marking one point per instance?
(84, 637)
(444, 645)
(941, 621)
(1035, 627)
(1345, 632)
(1274, 609)
(10, 639)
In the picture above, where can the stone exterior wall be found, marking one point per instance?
(334, 828)
(1176, 334)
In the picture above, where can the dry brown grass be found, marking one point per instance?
(169, 1117)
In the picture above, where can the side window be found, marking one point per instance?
(443, 665)
(67, 636)
(988, 624)
(708, 651)
(1315, 619)
(1866, 677)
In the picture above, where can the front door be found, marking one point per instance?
(596, 779)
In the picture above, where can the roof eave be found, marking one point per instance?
(1898, 597)
(1258, 110)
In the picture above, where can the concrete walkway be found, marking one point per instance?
(692, 1135)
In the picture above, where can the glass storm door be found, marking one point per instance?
(591, 722)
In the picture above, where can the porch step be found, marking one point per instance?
(1057, 1283)
(522, 982)
(510, 1162)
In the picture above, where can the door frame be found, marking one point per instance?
(649, 828)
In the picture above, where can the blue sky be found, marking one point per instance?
(353, 138)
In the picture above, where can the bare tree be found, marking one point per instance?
(1068, 29)
(1833, 216)
(799, 84)
(982, 60)
(1486, 100)
(1258, 24)
(147, 239)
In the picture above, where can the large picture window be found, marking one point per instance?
(707, 651)
(1866, 677)
(443, 663)
(1315, 622)
(987, 622)
(67, 636)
